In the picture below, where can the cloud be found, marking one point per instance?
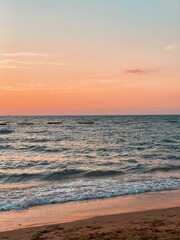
(35, 86)
(15, 62)
(137, 71)
(6, 61)
(173, 47)
(26, 54)
(28, 86)
(12, 67)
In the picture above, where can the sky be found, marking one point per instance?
(61, 57)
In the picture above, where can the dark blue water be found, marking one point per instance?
(55, 163)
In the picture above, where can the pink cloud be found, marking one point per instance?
(137, 71)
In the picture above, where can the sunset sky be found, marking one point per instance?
(89, 57)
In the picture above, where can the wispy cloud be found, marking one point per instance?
(29, 86)
(26, 54)
(16, 62)
(12, 67)
(137, 71)
(172, 47)
(36, 86)
(5, 61)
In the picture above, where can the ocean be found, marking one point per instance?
(57, 159)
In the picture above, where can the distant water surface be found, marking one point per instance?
(74, 159)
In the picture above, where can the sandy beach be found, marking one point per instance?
(155, 224)
(142, 216)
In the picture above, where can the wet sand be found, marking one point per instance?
(148, 225)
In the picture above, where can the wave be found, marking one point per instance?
(16, 178)
(80, 191)
(101, 173)
(56, 175)
(43, 140)
(34, 140)
(43, 176)
(62, 175)
(5, 147)
(43, 149)
(170, 168)
(6, 131)
(168, 141)
(65, 174)
(36, 132)
(173, 157)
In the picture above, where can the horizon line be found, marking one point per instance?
(76, 115)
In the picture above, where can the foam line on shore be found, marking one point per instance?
(68, 212)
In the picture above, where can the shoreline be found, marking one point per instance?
(152, 224)
(75, 211)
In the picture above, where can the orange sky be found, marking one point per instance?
(84, 61)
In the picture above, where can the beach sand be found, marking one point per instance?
(147, 216)
(147, 225)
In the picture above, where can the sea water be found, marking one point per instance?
(86, 157)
